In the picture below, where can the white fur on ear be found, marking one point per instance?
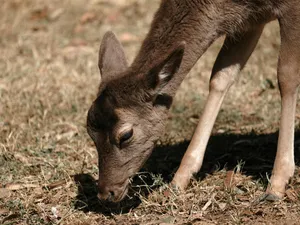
(170, 66)
(163, 75)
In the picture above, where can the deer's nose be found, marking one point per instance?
(113, 193)
(104, 193)
(106, 196)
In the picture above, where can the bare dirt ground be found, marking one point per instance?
(48, 164)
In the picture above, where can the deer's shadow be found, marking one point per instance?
(257, 152)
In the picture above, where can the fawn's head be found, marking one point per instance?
(128, 115)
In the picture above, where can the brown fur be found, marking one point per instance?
(138, 97)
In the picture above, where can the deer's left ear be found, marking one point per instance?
(160, 74)
(112, 58)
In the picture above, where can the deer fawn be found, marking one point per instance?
(128, 115)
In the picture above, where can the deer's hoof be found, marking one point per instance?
(271, 197)
(274, 194)
(267, 197)
(180, 184)
(174, 188)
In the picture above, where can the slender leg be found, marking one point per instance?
(231, 59)
(289, 80)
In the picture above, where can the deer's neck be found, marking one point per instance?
(173, 24)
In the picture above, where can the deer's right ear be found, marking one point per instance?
(160, 74)
(111, 56)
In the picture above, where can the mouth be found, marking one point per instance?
(122, 195)
(121, 192)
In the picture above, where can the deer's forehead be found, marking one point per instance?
(125, 113)
(109, 108)
(124, 87)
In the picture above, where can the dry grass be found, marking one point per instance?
(49, 77)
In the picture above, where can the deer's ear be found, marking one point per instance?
(111, 55)
(163, 72)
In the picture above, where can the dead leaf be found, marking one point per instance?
(247, 213)
(15, 187)
(72, 51)
(222, 205)
(4, 211)
(221, 131)
(39, 28)
(55, 213)
(4, 193)
(167, 220)
(242, 198)
(259, 212)
(31, 185)
(239, 179)
(56, 14)
(78, 42)
(196, 216)
(66, 132)
(229, 179)
(87, 17)
(39, 14)
(166, 193)
(10, 217)
(238, 191)
(78, 29)
(21, 158)
(207, 204)
(66, 127)
(55, 184)
(3, 87)
(113, 17)
(65, 137)
(38, 192)
(128, 37)
(292, 195)
(245, 220)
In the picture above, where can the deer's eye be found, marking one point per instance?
(125, 137)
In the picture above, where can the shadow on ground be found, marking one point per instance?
(257, 152)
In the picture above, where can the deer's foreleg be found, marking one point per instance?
(288, 80)
(231, 59)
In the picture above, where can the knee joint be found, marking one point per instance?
(288, 77)
(221, 83)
